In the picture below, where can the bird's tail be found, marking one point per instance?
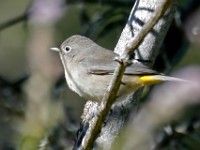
(153, 79)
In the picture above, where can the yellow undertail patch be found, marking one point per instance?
(149, 79)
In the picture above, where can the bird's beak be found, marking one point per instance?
(55, 49)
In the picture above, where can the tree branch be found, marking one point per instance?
(114, 85)
(24, 16)
(13, 21)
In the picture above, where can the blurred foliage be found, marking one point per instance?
(102, 21)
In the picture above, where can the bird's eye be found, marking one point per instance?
(67, 48)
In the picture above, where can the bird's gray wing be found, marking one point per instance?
(107, 66)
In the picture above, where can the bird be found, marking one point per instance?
(88, 69)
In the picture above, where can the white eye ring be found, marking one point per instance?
(67, 48)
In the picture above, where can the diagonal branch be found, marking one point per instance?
(24, 16)
(13, 21)
(114, 85)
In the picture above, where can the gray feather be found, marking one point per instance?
(107, 66)
(167, 78)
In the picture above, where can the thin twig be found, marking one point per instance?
(24, 16)
(114, 85)
(13, 21)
